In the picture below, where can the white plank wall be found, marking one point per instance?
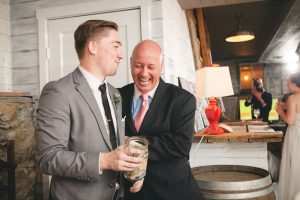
(250, 154)
(165, 28)
(5, 59)
(24, 39)
(156, 26)
(178, 55)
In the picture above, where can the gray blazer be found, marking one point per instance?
(70, 134)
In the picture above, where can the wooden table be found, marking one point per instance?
(236, 148)
(240, 137)
(245, 122)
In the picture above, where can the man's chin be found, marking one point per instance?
(143, 89)
(112, 73)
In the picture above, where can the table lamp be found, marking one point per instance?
(212, 82)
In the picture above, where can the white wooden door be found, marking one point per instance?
(62, 55)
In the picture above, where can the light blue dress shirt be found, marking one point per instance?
(137, 101)
(137, 105)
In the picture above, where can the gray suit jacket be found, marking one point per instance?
(70, 134)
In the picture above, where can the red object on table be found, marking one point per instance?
(213, 114)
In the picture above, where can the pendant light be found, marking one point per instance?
(240, 35)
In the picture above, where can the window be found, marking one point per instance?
(245, 112)
(249, 71)
(273, 115)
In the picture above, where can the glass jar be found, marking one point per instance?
(141, 143)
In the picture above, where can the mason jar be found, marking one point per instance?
(141, 143)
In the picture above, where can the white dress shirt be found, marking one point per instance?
(94, 84)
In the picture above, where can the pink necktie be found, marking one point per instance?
(140, 116)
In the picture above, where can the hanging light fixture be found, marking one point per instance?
(240, 35)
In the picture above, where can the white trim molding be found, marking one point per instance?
(96, 7)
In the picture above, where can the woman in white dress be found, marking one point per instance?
(289, 177)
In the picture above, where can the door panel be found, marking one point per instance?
(62, 55)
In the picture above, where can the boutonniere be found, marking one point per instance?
(117, 97)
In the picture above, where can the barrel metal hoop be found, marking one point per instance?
(233, 186)
(263, 182)
(245, 195)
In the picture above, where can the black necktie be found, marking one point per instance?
(112, 134)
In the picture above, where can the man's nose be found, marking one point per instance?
(144, 71)
(120, 55)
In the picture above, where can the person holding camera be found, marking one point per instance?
(260, 99)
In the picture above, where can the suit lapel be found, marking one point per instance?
(127, 108)
(118, 111)
(86, 92)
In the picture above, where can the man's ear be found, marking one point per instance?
(92, 47)
(162, 64)
(131, 62)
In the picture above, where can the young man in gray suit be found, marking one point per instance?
(164, 114)
(80, 130)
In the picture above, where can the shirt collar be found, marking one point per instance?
(92, 80)
(138, 93)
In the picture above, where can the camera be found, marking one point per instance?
(257, 85)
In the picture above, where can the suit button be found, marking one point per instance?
(117, 186)
(114, 185)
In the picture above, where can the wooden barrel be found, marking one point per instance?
(234, 182)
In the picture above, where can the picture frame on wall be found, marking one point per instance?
(203, 103)
(200, 117)
(220, 103)
(201, 121)
(188, 86)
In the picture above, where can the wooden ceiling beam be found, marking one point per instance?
(205, 47)
(194, 39)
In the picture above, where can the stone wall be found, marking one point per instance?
(16, 121)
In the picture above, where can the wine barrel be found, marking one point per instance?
(234, 182)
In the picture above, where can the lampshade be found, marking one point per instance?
(213, 82)
(240, 35)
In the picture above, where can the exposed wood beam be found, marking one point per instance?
(190, 4)
(205, 49)
(194, 40)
